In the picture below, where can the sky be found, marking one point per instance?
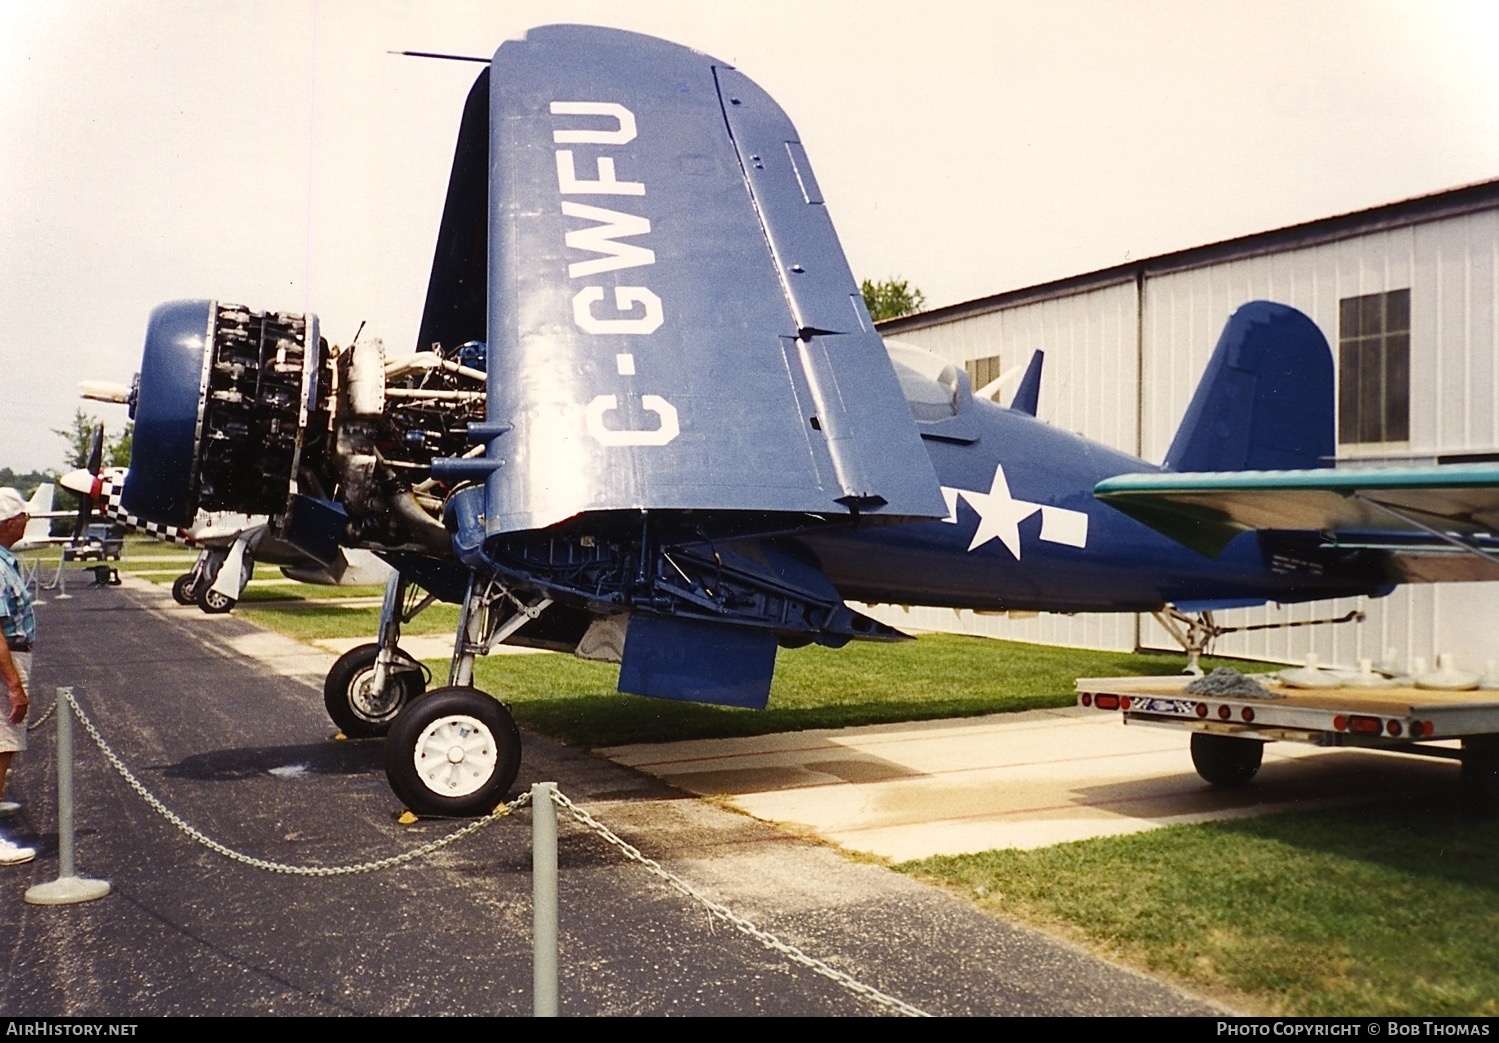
(275, 154)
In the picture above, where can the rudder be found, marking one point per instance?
(1266, 399)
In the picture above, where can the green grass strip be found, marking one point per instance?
(1383, 909)
(936, 676)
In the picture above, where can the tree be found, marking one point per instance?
(117, 450)
(79, 435)
(889, 298)
(24, 482)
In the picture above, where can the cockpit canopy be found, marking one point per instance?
(934, 388)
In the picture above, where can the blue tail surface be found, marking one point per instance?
(1265, 402)
(1028, 393)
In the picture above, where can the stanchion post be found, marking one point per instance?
(544, 899)
(62, 583)
(68, 888)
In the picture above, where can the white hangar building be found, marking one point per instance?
(1407, 296)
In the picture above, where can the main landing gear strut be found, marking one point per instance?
(452, 751)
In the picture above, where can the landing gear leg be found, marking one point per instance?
(370, 684)
(199, 578)
(231, 575)
(491, 612)
(1195, 632)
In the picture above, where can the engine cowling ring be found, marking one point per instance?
(221, 411)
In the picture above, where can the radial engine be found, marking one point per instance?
(254, 412)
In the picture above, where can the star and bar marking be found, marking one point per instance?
(1000, 515)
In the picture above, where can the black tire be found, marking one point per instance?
(214, 603)
(358, 712)
(1478, 779)
(1225, 761)
(453, 752)
(182, 590)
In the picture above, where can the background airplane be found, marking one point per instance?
(40, 514)
(651, 421)
(228, 545)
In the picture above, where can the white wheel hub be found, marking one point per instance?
(455, 756)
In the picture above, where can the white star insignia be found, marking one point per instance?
(1000, 515)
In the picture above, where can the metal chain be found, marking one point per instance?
(718, 910)
(32, 726)
(736, 921)
(281, 867)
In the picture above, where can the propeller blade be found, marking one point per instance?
(96, 451)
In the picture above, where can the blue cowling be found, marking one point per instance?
(162, 484)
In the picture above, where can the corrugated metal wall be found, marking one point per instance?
(1124, 377)
(1090, 385)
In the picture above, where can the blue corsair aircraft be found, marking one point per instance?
(650, 421)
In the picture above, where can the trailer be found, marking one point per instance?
(1229, 732)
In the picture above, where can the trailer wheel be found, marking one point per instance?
(1224, 761)
(1479, 777)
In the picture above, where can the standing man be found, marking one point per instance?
(19, 626)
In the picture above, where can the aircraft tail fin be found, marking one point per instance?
(1265, 402)
(1028, 391)
(39, 507)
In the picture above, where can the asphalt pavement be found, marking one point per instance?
(224, 724)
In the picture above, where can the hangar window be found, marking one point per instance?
(983, 371)
(1374, 365)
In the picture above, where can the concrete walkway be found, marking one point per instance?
(905, 791)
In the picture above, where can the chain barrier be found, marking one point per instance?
(736, 921)
(280, 867)
(32, 726)
(716, 909)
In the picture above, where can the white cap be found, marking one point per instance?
(11, 504)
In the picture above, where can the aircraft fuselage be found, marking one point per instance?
(1025, 533)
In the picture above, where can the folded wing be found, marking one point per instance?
(672, 323)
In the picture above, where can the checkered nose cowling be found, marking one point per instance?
(107, 502)
(220, 412)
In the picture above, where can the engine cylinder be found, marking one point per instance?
(222, 411)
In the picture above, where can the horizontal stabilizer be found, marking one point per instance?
(1408, 512)
(672, 323)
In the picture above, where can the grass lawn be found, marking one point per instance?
(1382, 909)
(312, 613)
(162, 563)
(939, 675)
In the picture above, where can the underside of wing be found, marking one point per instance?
(1437, 523)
